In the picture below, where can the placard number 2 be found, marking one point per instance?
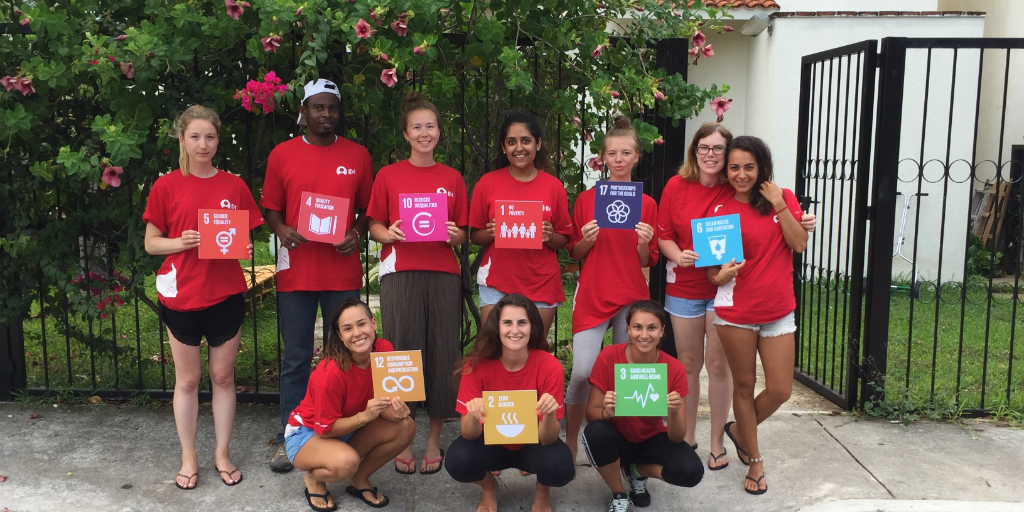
(490, 401)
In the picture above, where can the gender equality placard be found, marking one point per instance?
(223, 234)
(424, 217)
(323, 218)
(518, 224)
(717, 240)
(398, 374)
(510, 417)
(618, 204)
(641, 389)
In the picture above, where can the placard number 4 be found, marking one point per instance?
(604, 189)
(380, 362)
(309, 201)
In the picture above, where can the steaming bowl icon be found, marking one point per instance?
(510, 430)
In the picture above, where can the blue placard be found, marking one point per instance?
(717, 240)
(617, 204)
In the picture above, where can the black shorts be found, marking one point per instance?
(217, 323)
(680, 465)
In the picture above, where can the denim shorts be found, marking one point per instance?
(490, 296)
(688, 308)
(784, 325)
(296, 437)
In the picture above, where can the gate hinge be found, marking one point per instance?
(880, 60)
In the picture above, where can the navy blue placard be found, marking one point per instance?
(617, 204)
(717, 240)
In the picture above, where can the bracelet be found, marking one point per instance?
(361, 424)
(356, 230)
(783, 209)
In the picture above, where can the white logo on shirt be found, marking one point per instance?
(717, 207)
(546, 208)
(776, 219)
(441, 190)
(224, 203)
(345, 170)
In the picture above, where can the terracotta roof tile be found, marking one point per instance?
(832, 14)
(765, 4)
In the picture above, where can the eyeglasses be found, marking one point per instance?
(703, 150)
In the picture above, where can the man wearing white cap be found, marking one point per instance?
(313, 274)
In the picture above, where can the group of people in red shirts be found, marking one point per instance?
(333, 428)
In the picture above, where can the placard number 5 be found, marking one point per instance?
(206, 218)
(380, 362)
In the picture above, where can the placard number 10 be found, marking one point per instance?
(407, 202)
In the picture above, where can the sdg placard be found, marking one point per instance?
(323, 218)
(641, 389)
(424, 217)
(398, 374)
(618, 204)
(223, 234)
(510, 417)
(717, 240)
(518, 224)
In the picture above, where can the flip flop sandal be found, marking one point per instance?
(186, 488)
(229, 473)
(758, 482)
(411, 462)
(358, 493)
(324, 496)
(737, 445)
(716, 457)
(440, 464)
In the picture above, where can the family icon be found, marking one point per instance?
(520, 231)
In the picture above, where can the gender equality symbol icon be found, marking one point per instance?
(224, 239)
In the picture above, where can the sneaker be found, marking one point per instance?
(619, 502)
(279, 462)
(637, 488)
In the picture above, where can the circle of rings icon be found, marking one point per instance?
(618, 212)
(397, 383)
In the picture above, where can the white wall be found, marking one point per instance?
(857, 5)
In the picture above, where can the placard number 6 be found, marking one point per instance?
(700, 228)
(380, 362)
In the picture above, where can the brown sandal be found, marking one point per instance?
(189, 477)
(229, 473)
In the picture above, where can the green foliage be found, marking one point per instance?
(980, 258)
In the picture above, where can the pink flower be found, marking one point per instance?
(298, 12)
(24, 86)
(720, 105)
(708, 52)
(694, 53)
(26, 20)
(121, 37)
(7, 82)
(388, 77)
(373, 16)
(384, 57)
(597, 51)
(699, 39)
(128, 69)
(400, 27)
(234, 8)
(658, 95)
(111, 59)
(112, 176)
(418, 50)
(363, 29)
(271, 43)
(615, 94)
(94, 62)
(659, 141)
(638, 8)
(587, 137)
(727, 28)
(595, 163)
(575, 121)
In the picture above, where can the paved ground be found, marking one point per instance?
(123, 458)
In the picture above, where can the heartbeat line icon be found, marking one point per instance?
(648, 395)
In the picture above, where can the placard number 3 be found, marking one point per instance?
(622, 374)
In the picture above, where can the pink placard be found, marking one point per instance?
(424, 217)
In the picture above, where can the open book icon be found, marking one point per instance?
(323, 226)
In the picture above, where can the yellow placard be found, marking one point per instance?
(511, 417)
(398, 375)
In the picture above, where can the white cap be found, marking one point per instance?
(316, 87)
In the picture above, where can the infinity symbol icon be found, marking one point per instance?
(397, 383)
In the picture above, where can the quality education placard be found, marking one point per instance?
(223, 234)
(510, 417)
(518, 224)
(717, 240)
(618, 204)
(424, 217)
(398, 374)
(641, 389)
(323, 218)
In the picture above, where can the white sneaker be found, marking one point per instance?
(619, 502)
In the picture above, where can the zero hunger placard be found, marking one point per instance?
(518, 224)
(717, 240)
(223, 234)
(424, 217)
(398, 374)
(510, 417)
(618, 204)
(641, 389)
(323, 218)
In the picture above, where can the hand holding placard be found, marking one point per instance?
(398, 374)
(641, 389)
(510, 417)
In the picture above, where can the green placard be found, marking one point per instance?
(641, 390)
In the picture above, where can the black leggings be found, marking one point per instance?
(469, 461)
(680, 465)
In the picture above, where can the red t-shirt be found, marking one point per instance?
(682, 201)
(531, 272)
(334, 394)
(343, 169)
(405, 178)
(185, 282)
(763, 289)
(611, 276)
(636, 428)
(542, 372)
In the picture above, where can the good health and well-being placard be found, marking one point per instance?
(641, 389)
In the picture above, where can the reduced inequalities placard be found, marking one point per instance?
(717, 240)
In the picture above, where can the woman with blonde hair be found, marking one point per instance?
(199, 298)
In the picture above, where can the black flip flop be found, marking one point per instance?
(358, 493)
(737, 445)
(758, 481)
(185, 488)
(716, 457)
(324, 496)
(440, 464)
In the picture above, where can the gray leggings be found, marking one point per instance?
(585, 347)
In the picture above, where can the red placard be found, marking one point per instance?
(323, 218)
(518, 224)
(223, 234)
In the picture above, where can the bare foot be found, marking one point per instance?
(489, 495)
(755, 478)
(188, 475)
(721, 460)
(315, 487)
(541, 499)
(229, 473)
(407, 464)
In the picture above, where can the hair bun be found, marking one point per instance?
(622, 121)
(410, 98)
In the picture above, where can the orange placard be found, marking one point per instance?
(398, 374)
(510, 417)
(223, 234)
